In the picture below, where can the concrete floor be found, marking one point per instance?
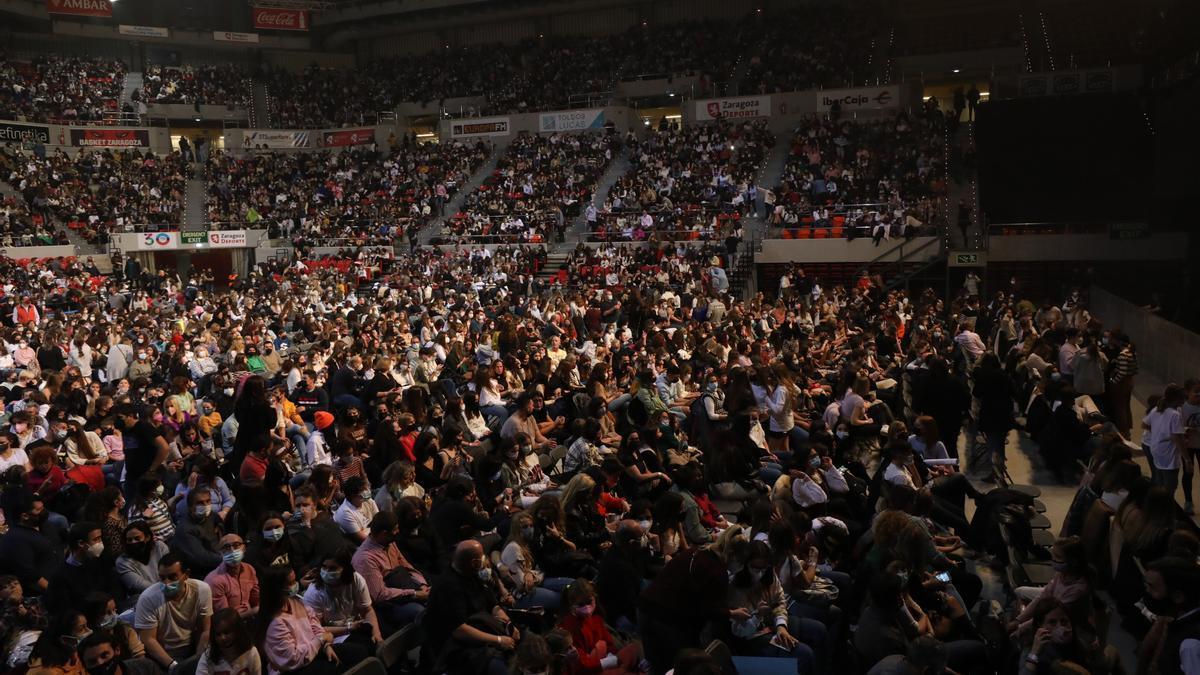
(1026, 467)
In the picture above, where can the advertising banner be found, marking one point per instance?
(733, 108)
(276, 139)
(275, 18)
(571, 120)
(144, 31)
(22, 133)
(158, 241)
(228, 239)
(345, 137)
(110, 138)
(861, 98)
(228, 36)
(80, 7)
(483, 126)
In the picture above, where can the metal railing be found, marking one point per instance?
(1003, 229)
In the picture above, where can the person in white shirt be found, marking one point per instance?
(816, 480)
(357, 509)
(970, 342)
(1066, 354)
(1168, 449)
(899, 471)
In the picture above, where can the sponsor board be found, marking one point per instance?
(571, 120)
(110, 138)
(158, 241)
(228, 239)
(229, 36)
(80, 7)
(276, 18)
(23, 133)
(345, 137)
(485, 126)
(861, 98)
(277, 139)
(733, 108)
(144, 31)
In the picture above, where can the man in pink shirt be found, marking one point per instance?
(234, 583)
(398, 590)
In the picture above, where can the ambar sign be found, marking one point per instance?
(80, 7)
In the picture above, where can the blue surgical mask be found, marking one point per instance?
(273, 534)
(233, 557)
(814, 461)
(294, 589)
(330, 577)
(172, 589)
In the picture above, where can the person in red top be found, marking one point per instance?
(593, 643)
(46, 478)
(254, 467)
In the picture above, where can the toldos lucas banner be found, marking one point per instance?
(571, 120)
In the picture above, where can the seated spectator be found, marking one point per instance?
(234, 583)
(398, 590)
(173, 617)
(292, 637)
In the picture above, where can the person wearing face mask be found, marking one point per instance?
(1057, 647)
(145, 448)
(594, 645)
(22, 425)
(1172, 602)
(84, 569)
(619, 579)
(815, 480)
(143, 363)
(338, 596)
(234, 583)
(519, 573)
(466, 627)
(173, 617)
(1070, 584)
(768, 631)
(137, 568)
(101, 611)
(102, 653)
(398, 589)
(54, 653)
(198, 535)
(357, 509)
(292, 636)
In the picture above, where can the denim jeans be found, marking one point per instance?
(496, 416)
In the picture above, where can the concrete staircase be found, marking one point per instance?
(195, 202)
(556, 259)
(455, 204)
(133, 83)
(619, 166)
(260, 106)
(964, 185)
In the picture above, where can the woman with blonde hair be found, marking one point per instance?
(585, 525)
(528, 583)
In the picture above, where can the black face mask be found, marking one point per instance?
(107, 668)
(140, 550)
(1160, 607)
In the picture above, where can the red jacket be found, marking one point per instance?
(586, 633)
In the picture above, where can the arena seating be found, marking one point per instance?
(56, 88)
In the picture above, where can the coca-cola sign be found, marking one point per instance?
(274, 18)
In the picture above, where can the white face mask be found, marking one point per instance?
(95, 550)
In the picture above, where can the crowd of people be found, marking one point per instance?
(358, 196)
(684, 183)
(224, 84)
(554, 72)
(539, 182)
(64, 89)
(598, 472)
(882, 178)
(20, 226)
(94, 191)
(836, 51)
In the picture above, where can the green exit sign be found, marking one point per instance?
(967, 259)
(193, 238)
